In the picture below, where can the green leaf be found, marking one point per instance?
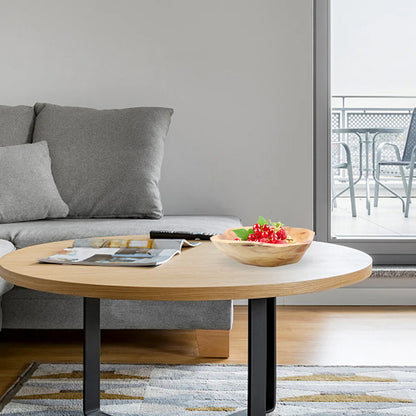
(250, 231)
(262, 220)
(241, 233)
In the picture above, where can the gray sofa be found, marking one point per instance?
(24, 308)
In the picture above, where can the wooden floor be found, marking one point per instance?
(321, 335)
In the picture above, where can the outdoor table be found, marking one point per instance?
(367, 136)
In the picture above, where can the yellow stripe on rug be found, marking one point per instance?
(104, 375)
(75, 395)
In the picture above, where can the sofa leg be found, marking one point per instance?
(213, 343)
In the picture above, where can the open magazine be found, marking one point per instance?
(116, 252)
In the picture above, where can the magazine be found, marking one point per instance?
(116, 252)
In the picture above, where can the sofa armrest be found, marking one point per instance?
(5, 247)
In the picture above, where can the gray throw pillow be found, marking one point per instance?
(27, 189)
(16, 124)
(106, 163)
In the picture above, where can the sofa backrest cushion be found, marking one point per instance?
(28, 191)
(16, 124)
(106, 163)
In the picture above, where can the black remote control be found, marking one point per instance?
(179, 235)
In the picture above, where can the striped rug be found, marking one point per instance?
(208, 390)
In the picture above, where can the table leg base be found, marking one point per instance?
(244, 412)
(96, 413)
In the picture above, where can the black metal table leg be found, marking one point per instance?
(92, 348)
(261, 357)
(257, 357)
(271, 355)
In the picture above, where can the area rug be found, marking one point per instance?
(184, 390)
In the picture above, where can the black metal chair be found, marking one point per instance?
(348, 166)
(406, 161)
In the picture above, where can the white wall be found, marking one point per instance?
(237, 72)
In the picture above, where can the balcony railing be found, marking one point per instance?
(350, 111)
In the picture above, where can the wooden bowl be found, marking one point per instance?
(265, 254)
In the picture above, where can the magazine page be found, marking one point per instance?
(102, 252)
(119, 243)
(173, 244)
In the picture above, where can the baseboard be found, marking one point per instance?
(352, 296)
(359, 296)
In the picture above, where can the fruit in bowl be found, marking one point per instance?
(264, 232)
(266, 243)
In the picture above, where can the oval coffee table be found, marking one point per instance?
(199, 273)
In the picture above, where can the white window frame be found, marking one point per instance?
(383, 250)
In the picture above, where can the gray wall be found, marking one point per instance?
(237, 72)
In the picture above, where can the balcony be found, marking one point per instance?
(386, 220)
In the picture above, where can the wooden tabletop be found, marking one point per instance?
(199, 273)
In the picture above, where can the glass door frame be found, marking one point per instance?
(383, 250)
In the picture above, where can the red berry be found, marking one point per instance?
(266, 227)
(251, 237)
(265, 234)
(282, 234)
(264, 240)
(237, 239)
(280, 242)
(257, 230)
(256, 227)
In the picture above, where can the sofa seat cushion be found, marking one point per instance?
(23, 234)
(106, 163)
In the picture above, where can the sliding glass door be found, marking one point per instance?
(365, 132)
(373, 88)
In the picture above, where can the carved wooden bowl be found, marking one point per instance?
(265, 254)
